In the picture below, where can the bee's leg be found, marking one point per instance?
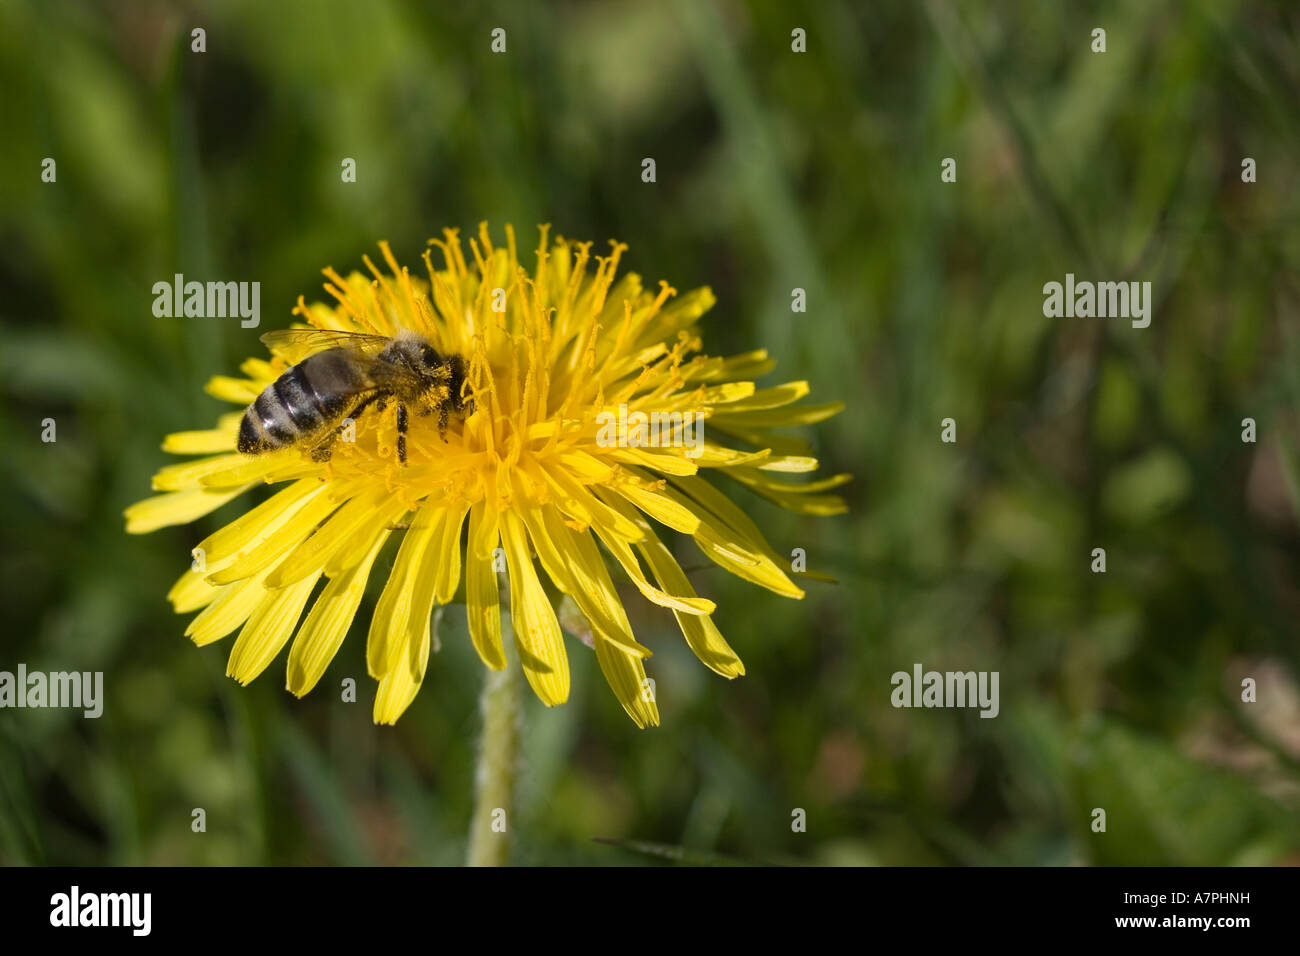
(443, 414)
(401, 433)
(323, 451)
(325, 448)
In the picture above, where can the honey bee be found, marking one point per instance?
(336, 376)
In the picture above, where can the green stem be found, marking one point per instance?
(489, 834)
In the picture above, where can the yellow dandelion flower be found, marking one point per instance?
(549, 453)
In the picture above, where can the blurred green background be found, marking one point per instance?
(776, 170)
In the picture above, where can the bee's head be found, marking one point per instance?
(430, 369)
(456, 366)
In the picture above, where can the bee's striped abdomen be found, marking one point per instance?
(300, 401)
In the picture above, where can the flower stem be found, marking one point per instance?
(489, 834)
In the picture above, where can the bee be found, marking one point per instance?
(338, 375)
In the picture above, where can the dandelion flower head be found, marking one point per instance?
(526, 479)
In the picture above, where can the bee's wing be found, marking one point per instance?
(294, 345)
